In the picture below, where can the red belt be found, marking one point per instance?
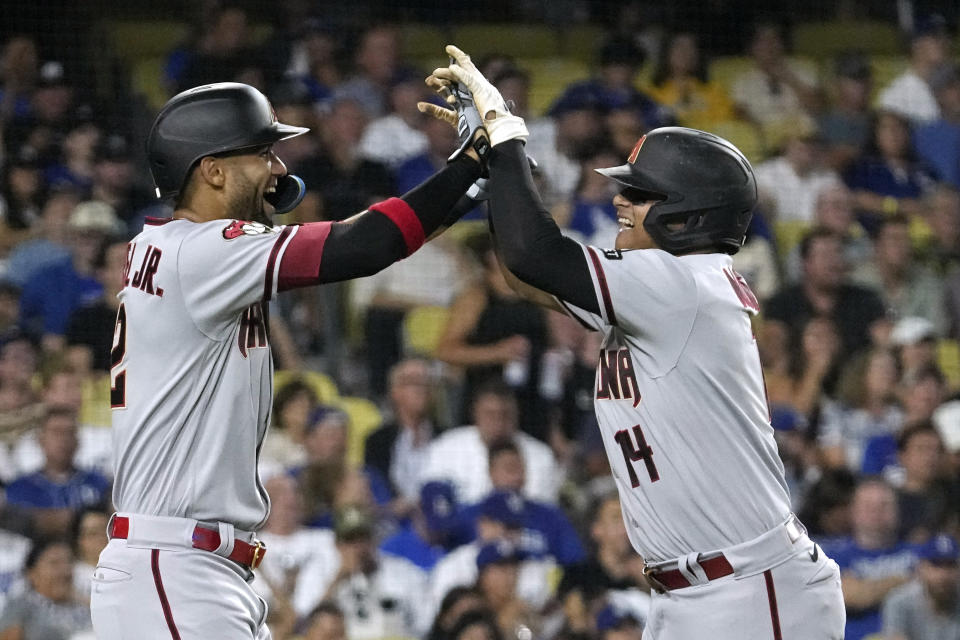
(244, 553)
(714, 568)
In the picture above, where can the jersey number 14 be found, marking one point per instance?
(635, 453)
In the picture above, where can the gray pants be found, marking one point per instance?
(140, 593)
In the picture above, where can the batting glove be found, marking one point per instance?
(500, 124)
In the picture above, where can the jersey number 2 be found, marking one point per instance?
(635, 453)
(118, 373)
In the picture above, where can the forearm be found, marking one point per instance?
(389, 231)
(530, 242)
(862, 594)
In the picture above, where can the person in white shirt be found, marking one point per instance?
(909, 94)
(460, 455)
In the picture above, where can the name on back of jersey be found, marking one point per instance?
(143, 277)
(616, 376)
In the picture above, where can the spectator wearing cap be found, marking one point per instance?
(789, 184)
(499, 518)
(947, 420)
(546, 529)
(53, 293)
(461, 455)
(498, 568)
(775, 88)
(222, 51)
(845, 124)
(914, 339)
(73, 161)
(612, 573)
(52, 101)
(49, 241)
(908, 288)
(888, 178)
(873, 560)
(937, 141)
(426, 535)
(580, 119)
(380, 595)
(22, 192)
(909, 94)
(927, 608)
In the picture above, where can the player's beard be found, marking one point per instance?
(246, 202)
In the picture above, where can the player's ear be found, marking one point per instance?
(211, 171)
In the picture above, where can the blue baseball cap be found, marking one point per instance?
(499, 552)
(323, 412)
(940, 549)
(439, 505)
(507, 507)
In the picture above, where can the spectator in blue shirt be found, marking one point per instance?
(873, 560)
(888, 178)
(938, 142)
(59, 489)
(53, 293)
(546, 529)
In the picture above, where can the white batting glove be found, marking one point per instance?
(500, 124)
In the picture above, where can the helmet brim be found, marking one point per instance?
(287, 131)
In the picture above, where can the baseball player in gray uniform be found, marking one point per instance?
(192, 371)
(680, 397)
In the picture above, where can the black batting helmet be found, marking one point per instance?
(205, 121)
(705, 189)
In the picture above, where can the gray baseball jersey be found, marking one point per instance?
(192, 376)
(680, 401)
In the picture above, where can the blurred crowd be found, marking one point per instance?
(434, 466)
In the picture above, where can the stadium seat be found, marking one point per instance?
(825, 40)
(423, 41)
(147, 80)
(422, 328)
(743, 135)
(582, 42)
(322, 384)
(788, 234)
(517, 40)
(135, 39)
(885, 69)
(365, 417)
(549, 77)
(95, 409)
(948, 359)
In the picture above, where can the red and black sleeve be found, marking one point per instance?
(390, 231)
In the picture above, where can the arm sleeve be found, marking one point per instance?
(387, 232)
(530, 242)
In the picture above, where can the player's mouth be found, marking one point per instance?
(625, 223)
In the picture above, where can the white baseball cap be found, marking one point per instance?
(911, 330)
(95, 216)
(947, 420)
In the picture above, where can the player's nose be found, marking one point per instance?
(277, 167)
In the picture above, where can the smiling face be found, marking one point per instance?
(632, 208)
(250, 176)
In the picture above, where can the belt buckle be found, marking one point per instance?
(259, 550)
(651, 577)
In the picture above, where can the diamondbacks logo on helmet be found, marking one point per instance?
(636, 149)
